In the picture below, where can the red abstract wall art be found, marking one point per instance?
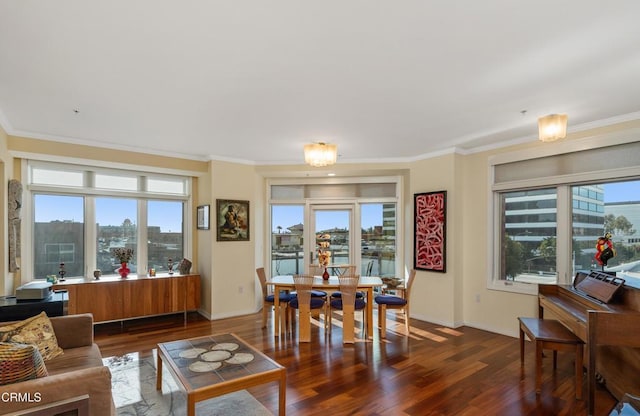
(430, 211)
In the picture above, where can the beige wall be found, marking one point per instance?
(233, 263)
(435, 295)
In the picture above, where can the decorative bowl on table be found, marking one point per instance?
(392, 282)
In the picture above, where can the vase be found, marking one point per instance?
(123, 270)
(325, 275)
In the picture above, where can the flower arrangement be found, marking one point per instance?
(324, 255)
(124, 255)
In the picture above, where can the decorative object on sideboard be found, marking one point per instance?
(123, 270)
(170, 266)
(124, 256)
(97, 274)
(61, 272)
(185, 266)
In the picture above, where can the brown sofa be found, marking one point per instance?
(77, 372)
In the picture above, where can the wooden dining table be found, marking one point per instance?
(365, 284)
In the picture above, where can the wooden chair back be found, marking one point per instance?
(348, 286)
(303, 284)
(410, 279)
(262, 277)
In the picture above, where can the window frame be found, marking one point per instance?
(563, 184)
(89, 193)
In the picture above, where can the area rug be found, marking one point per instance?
(134, 392)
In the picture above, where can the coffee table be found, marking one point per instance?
(214, 365)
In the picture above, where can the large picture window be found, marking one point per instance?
(358, 219)
(554, 214)
(142, 211)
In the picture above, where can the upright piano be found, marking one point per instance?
(608, 321)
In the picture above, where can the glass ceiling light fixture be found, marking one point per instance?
(320, 154)
(552, 127)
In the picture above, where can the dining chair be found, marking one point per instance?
(268, 299)
(395, 302)
(348, 303)
(347, 270)
(317, 270)
(305, 303)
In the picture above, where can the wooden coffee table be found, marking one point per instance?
(214, 365)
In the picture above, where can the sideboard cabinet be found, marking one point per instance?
(114, 298)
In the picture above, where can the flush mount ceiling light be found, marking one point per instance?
(320, 154)
(552, 127)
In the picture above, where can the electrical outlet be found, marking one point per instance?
(478, 298)
(240, 289)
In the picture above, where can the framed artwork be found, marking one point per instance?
(232, 220)
(430, 231)
(203, 217)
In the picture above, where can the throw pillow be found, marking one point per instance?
(20, 362)
(36, 330)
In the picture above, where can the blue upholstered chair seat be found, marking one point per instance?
(316, 303)
(390, 300)
(337, 303)
(338, 295)
(318, 294)
(284, 297)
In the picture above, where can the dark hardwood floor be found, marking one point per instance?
(435, 371)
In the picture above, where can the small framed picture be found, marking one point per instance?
(203, 217)
(232, 220)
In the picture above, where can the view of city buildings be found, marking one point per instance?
(530, 223)
(58, 242)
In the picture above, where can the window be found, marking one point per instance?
(359, 215)
(287, 239)
(58, 235)
(141, 211)
(617, 212)
(116, 224)
(378, 244)
(549, 212)
(164, 233)
(529, 239)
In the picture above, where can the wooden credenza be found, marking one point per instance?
(114, 298)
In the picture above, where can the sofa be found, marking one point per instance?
(78, 372)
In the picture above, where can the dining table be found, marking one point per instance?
(366, 284)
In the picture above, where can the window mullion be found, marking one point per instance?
(142, 238)
(90, 236)
(564, 233)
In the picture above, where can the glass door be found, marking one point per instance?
(333, 235)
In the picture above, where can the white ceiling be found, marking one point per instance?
(253, 81)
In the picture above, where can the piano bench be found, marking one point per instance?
(551, 334)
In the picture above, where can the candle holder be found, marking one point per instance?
(170, 266)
